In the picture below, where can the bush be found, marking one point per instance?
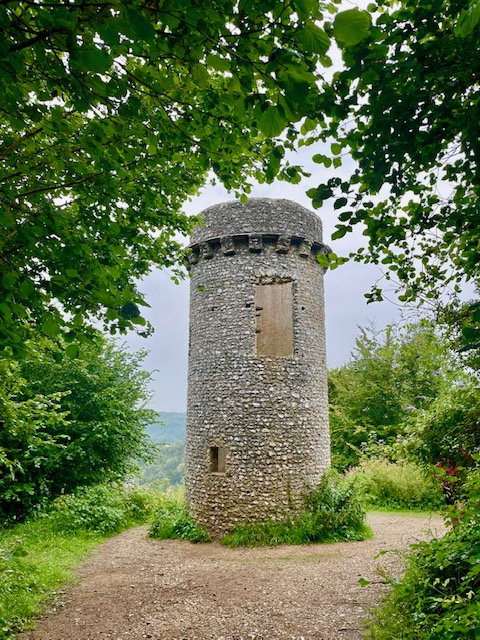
(439, 596)
(69, 422)
(333, 512)
(103, 509)
(399, 485)
(171, 521)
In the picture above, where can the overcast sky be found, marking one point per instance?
(346, 306)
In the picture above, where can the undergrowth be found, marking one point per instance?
(397, 486)
(172, 522)
(439, 595)
(332, 512)
(37, 557)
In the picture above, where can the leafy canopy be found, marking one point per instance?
(405, 108)
(112, 114)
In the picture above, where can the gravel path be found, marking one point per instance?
(134, 588)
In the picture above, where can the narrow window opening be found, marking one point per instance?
(274, 319)
(217, 459)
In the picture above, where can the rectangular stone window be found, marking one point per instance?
(217, 459)
(274, 319)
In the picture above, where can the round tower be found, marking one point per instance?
(257, 415)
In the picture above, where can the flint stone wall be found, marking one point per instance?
(268, 413)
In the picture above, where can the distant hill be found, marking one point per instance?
(173, 429)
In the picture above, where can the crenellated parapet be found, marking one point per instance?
(230, 245)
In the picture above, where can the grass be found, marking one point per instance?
(35, 563)
(414, 513)
(172, 522)
(302, 531)
(38, 558)
(400, 486)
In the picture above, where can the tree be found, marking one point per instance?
(112, 114)
(447, 432)
(69, 422)
(390, 376)
(405, 108)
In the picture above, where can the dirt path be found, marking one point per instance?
(134, 588)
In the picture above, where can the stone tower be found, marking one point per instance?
(257, 416)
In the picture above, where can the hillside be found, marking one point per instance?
(173, 428)
(168, 467)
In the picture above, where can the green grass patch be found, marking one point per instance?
(412, 513)
(38, 557)
(398, 486)
(333, 512)
(35, 563)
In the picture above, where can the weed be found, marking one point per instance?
(171, 521)
(333, 512)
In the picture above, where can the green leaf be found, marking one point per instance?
(341, 231)
(272, 121)
(339, 203)
(304, 8)
(469, 18)
(96, 60)
(217, 62)
(27, 288)
(5, 310)
(351, 27)
(72, 351)
(200, 74)
(336, 148)
(111, 314)
(50, 328)
(141, 26)
(323, 260)
(320, 158)
(313, 39)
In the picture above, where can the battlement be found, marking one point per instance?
(254, 243)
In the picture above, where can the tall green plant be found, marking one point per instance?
(332, 512)
(439, 596)
(448, 431)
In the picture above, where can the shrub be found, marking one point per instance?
(439, 596)
(69, 422)
(104, 509)
(399, 485)
(171, 521)
(333, 512)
